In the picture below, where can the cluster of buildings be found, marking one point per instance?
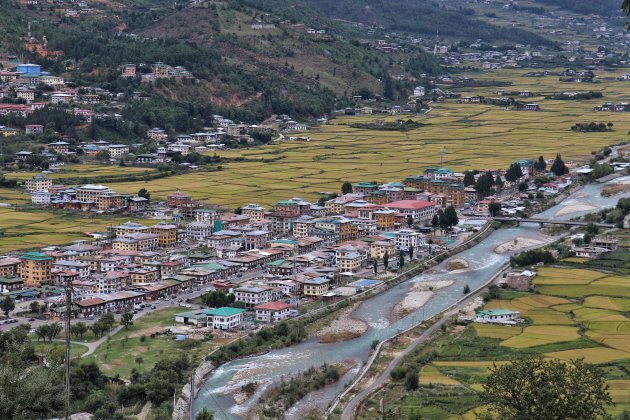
(159, 70)
(612, 107)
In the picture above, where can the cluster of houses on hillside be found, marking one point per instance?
(611, 107)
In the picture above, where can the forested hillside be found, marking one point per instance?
(601, 7)
(426, 17)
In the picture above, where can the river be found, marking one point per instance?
(271, 367)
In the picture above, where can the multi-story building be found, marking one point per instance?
(365, 188)
(406, 238)
(315, 287)
(81, 268)
(38, 183)
(378, 249)
(117, 150)
(349, 262)
(385, 219)
(420, 211)
(342, 226)
(254, 295)
(254, 212)
(91, 192)
(35, 269)
(137, 242)
(9, 267)
(257, 239)
(198, 231)
(129, 70)
(129, 228)
(273, 311)
(337, 205)
(206, 216)
(167, 233)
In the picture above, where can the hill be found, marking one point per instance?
(425, 17)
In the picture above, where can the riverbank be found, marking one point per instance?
(420, 293)
(343, 328)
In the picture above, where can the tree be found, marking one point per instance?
(126, 319)
(435, 221)
(81, 328)
(466, 289)
(522, 186)
(494, 208)
(401, 260)
(386, 259)
(411, 379)
(514, 173)
(346, 188)
(485, 183)
(469, 178)
(144, 193)
(42, 332)
(34, 306)
(527, 387)
(558, 167)
(411, 249)
(541, 165)
(498, 181)
(204, 415)
(53, 331)
(375, 264)
(7, 305)
(626, 6)
(103, 155)
(409, 220)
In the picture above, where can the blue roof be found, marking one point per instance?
(365, 283)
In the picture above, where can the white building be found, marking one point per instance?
(40, 198)
(406, 238)
(226, 318)
(419, 92)
(273, 311)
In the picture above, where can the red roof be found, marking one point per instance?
(273, 306)
(90, 302)
(408, 204)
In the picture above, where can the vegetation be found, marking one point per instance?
(284, 334)
(533, 385)
(592, 127)
(284, 396)
(533, 256)
(390, 126)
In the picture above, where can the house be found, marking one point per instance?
(38, 183)
(10, 284)
(157, 134)
(117, 150)
(405, 239)
(315, 287)
(226, 318)
(7, 131)
(129, 70)
(518, 280)
(273, 311)
(254, 295)
(198, 318)
(60, 147)
(420, 211)
(589, 251)
(498, 316)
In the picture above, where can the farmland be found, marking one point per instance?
(475, 136)
(560, 323)
(37, 228)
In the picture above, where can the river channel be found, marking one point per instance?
(271, 367)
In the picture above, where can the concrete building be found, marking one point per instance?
(35, 269)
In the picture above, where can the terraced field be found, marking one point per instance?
(564, 326)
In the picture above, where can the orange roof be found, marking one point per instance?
(408, 204)
(273, 306)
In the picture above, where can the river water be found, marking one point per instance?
(272, 367)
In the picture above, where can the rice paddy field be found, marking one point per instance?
(560, 324)
(474, 136)
(37, 228)
(85, 171)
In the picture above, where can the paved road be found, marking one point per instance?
(349, 409)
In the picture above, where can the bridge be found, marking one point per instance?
(542, 222)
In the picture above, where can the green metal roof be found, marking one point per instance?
(35, 256)
(365, 185)
(225, 311)
(276, 262)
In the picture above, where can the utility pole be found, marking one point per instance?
(67, 326)
(192, 396)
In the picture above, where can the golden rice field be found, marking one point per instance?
(474, 136)
(33, 229)
(555, 323)
(84, 170)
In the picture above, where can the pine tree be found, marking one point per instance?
(558, 167)
(469, 178)
(542, 164)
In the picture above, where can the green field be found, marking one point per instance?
(84, 171)
(134, 348)
(595, 328)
